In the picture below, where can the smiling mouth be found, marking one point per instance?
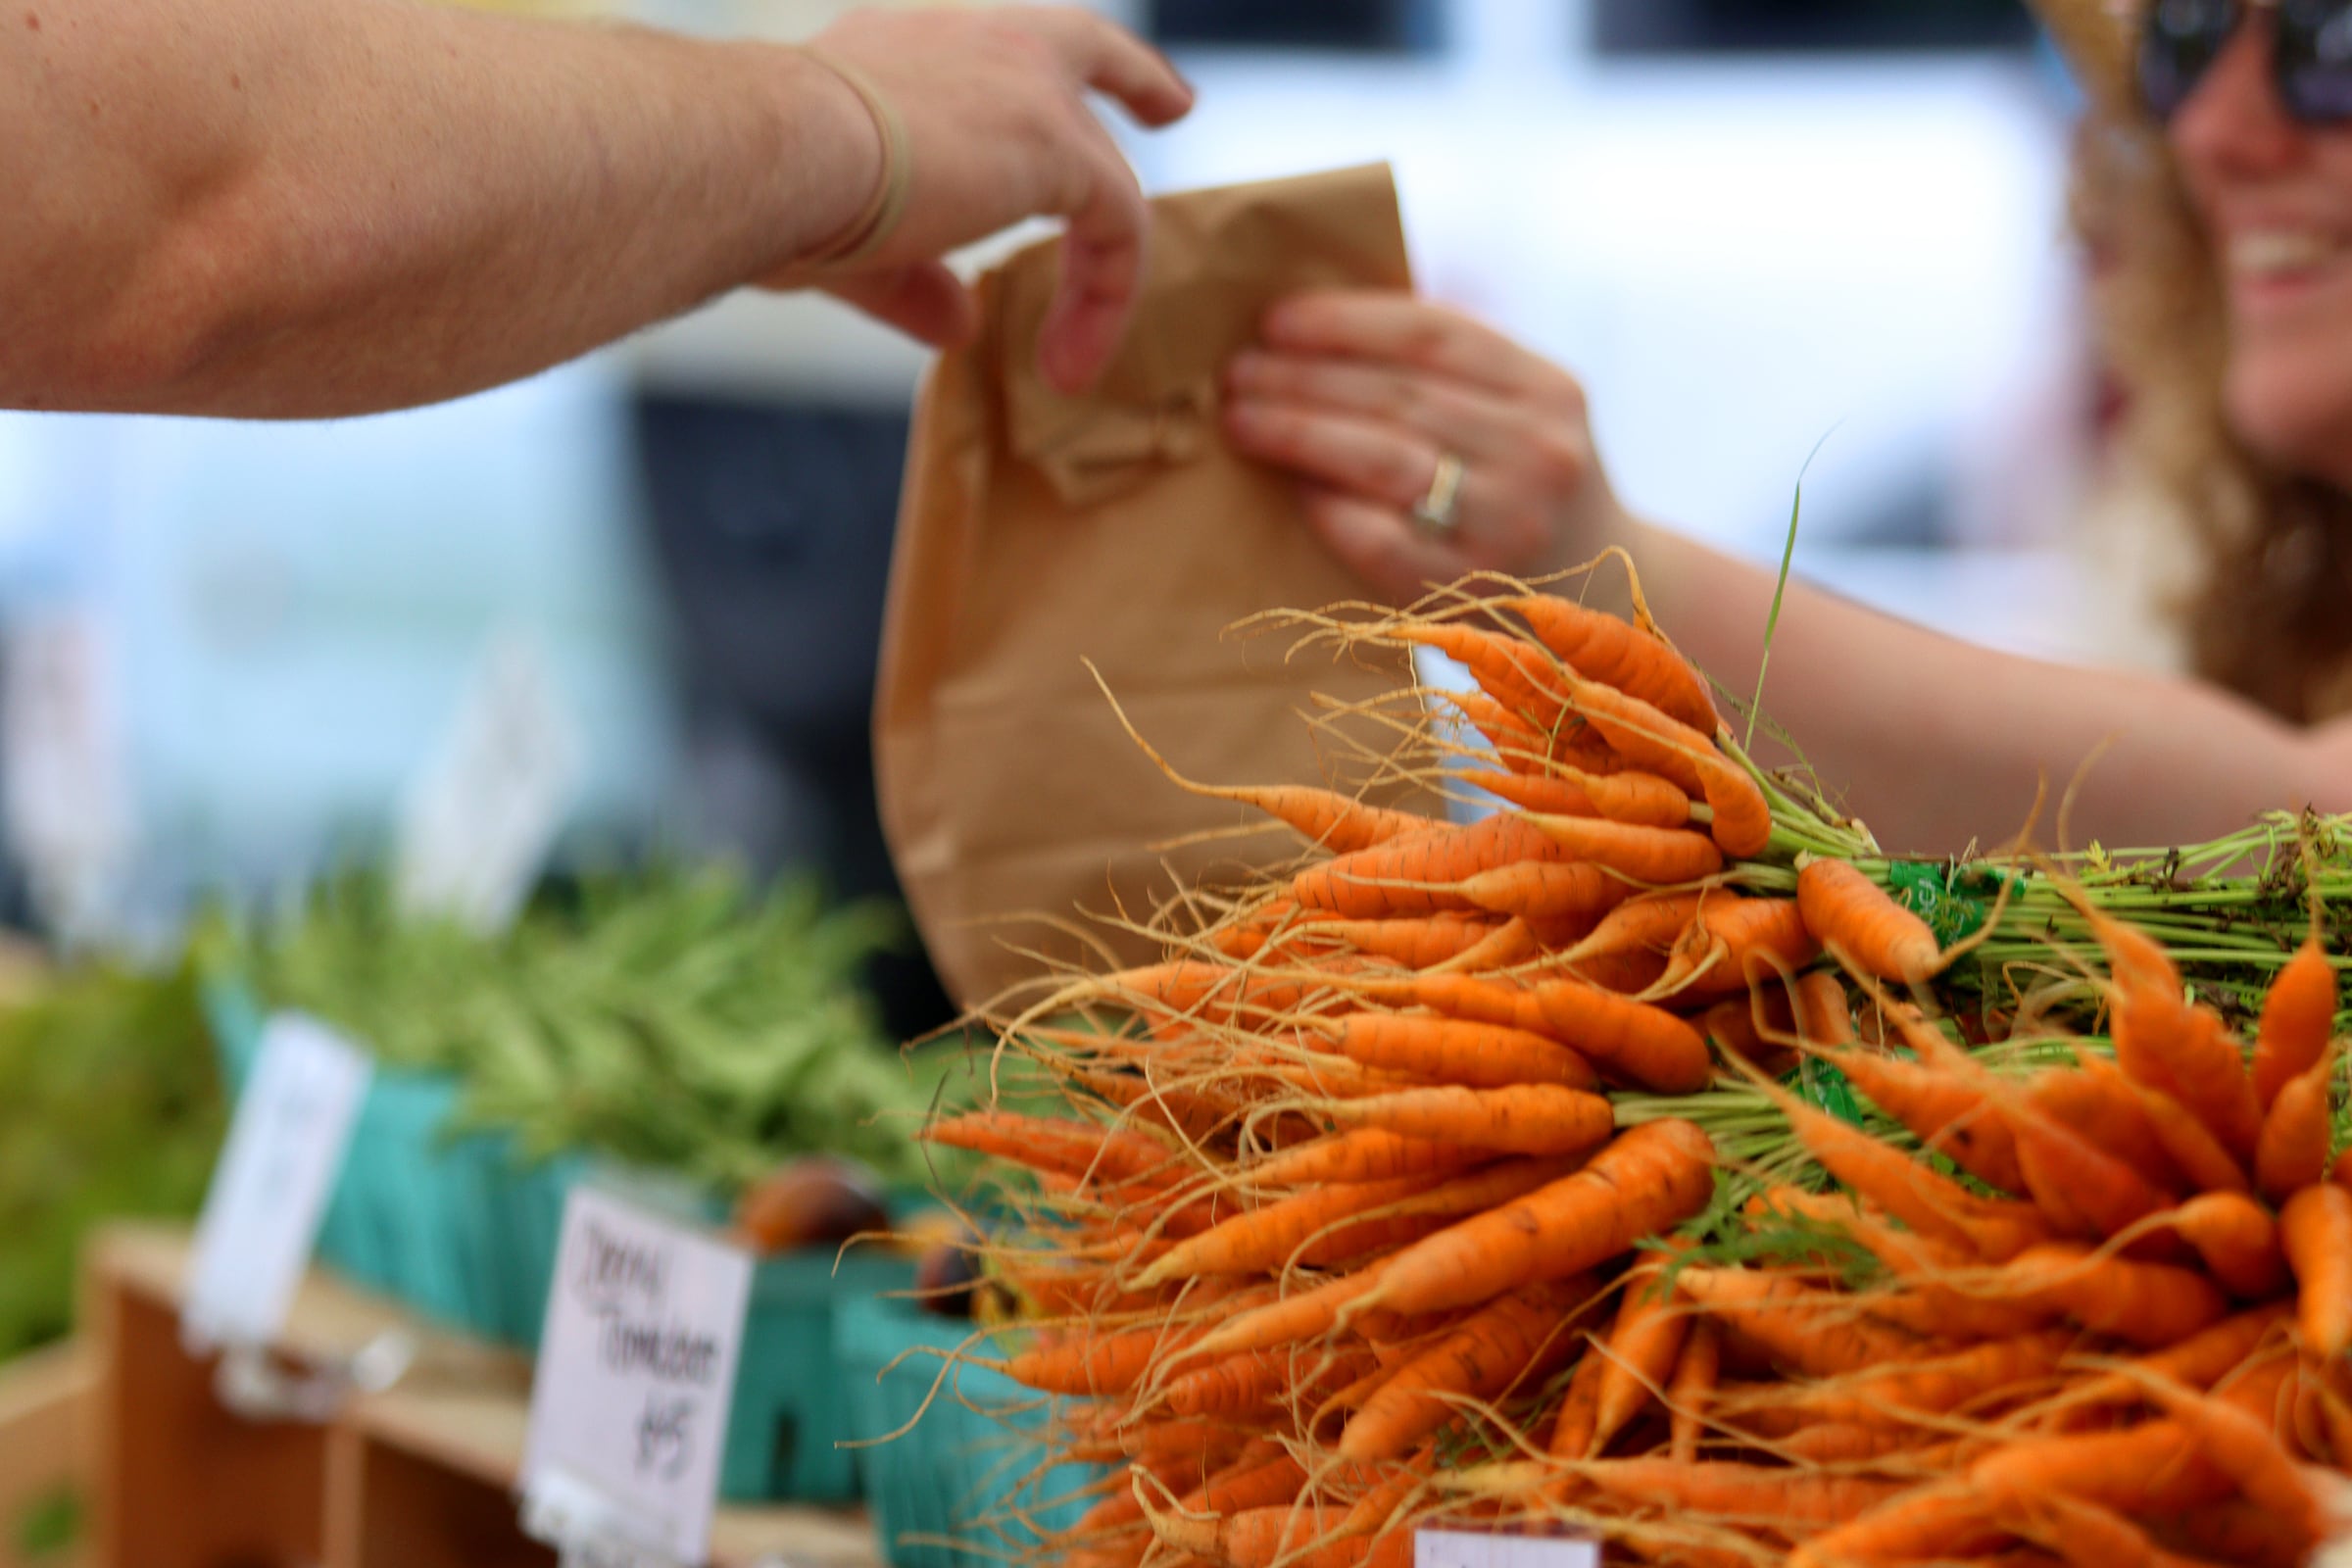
(2277, 255)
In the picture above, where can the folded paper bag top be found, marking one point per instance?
(1039, 530)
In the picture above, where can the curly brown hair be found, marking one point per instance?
(2271, 613)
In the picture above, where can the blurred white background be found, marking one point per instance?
(1746, 225)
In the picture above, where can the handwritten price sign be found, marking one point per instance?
(629, 1405)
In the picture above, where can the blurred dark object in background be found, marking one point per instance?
(773, 523)
(1742, 26)
(1391, 26)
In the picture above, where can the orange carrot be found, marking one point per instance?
(2292, 1153)
(1090, 1363)
(1648, 924)
(1256, 1482)
(2083, 1535)
(1657, 855)
(2100, 1103)
(1511, 943)
(1451, 1051)
(1934, 1385)
(1413, 943)
(1421, 874)
(1522, 1120)
(1790, 1500)
(1062, 1148)
(2146, 1303)
(2200, 1361)
(2242, 1447)
(1518, 745)
(2298, 1014)
(1691, 1391)
(1642, 1348)
(2190, 1145)
(1265, 1237)
(1500, 1347)
(2080, 1188)
(1820, 1010)
(1244, 1385)
(1742, 819)
(1848, 914)
(1616, 652)
(2164, 1042)
(1907, 1189)
(2316, 1230)
(2155, 1469)
(1545, 890)
(1948, 1114)
(1816, 1332)
(1626, 1038)
(1290, 1320)
(1651, 1178)
(1506, 670)
(1642, 798)
(1946, 1523)
(1368, 1154)
(1734, 943)
(2237, 1239)
(1573, 1427)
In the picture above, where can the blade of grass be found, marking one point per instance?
(1780, 586)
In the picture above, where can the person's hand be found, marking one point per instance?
(1361, 394)
(998, 130)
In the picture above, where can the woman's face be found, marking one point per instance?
(2276, 198)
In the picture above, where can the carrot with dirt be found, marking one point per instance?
(2316, 1230)
(1522, 1120)
(2297, 1013)
(1450, 1051)
(1649, 1179)
(1504, 1345)
(1851, 917)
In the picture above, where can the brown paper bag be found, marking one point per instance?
(1037, 530)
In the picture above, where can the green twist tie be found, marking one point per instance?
(1954, 901)
(1825, 1088)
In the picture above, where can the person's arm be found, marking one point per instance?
(277, 208)
(1931, 740)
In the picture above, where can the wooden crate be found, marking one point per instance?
(44, 1407)
(421, 1476)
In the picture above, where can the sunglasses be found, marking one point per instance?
(2311, 53)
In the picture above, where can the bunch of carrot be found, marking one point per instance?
(1401, 1189)
(1340, 1182)
(2099, 1318)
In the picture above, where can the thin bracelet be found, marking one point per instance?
(879, 219)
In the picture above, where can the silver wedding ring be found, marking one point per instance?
(1434, 510)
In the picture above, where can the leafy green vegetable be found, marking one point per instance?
(671, 1019)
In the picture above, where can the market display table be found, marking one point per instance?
(419, 1475)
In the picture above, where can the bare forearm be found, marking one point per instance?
(263, 208)
(1934, 743)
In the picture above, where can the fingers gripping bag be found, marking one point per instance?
(1039, 530)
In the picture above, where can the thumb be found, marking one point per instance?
(925, 301)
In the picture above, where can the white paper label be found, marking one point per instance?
(636, 1371)
(268, 1193)
(1471, 1548)
(486, 809)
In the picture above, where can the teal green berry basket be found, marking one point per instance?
(463, 1229)
(965, 1486)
